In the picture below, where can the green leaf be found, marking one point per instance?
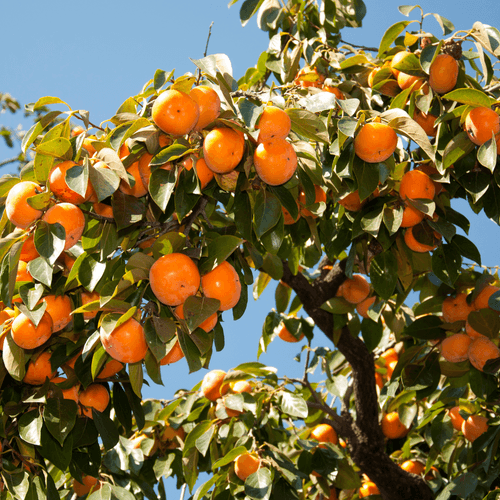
(466, 248)
(316, 103)
(370, 222)
(13, 358)
(409, 65)
(219, 250)
(36, 130)
(267, 212)
(59, 416)
(425, 328)
(45, 101)
(30, 427)
(458, 147)
(90, 272)
(471, 97)
(198, 431)
(390, 35)
(248, 9)
(197, 309)
(486, 322)
(106, 428)
(428, 55)
(446, 25)
(50, 449)
(162, 185)
(384, 274)
(50, 240)
(77, 179)
(406, 9)
(487, 154)
(446, 263)
(104, 180)
(128, 210)
(293, 405)
(258, 485)
(58, 148)
(367, 176)
(308, 125)
(229, 457)
(204, 488)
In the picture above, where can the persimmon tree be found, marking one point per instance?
(329, 168)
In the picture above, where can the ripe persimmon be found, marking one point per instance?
(70, 217)
(413, 466)
(274, 123)
(390, 355)
(398, 57)
(28, 250)
(392, 427)
(443, 73)
(39, 370)
(169, 433)
(89, 483)
(481, 350)
(375, 142)
(126, 343)
(275, 161)
(287, 217)
(363, 306)
(70, 393)
(246, 464)
(320, 197)
(111, 368)
(6, 314)
(474, 426)
(204, 174)
(77, 130)
(416, 184)
(352, 202)
(368, 488)
(405, 81)
(88, 146)
(222, 283)
(481, 124)
(175, 112)
(22, 273)
(211, 387)
(456, 308)
(456, 419)
(417, 246)
(335, 91)
(240, 386)
(94, 396)
(59, 187)
(411, 216)
(175, 354)
(426, 121)
(138, 189)
(173, 278)
(28, 336)
(456, 347)
(483, 297)
(17, 208)
(104, 210)
(284, 334)
(223, 149)
(355, 289)
(208, 103)
(206, 325)
(59, 307)
(324, 433)
(473, 334)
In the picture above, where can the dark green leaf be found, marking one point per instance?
(258, 485)
(308, 125)
(390, 35)
(446, 263)
(59, 416)
(384, 274)
(426, 328)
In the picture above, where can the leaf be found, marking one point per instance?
(60, 416)
(90, 272)
(104, 181)
(197, 309)
(446, 263)
(58, 148)
(457, 148)
(13, 358)
(446, 25)
(248, 9)
(45, 101)
(405, 125)
(406, 9)
(162, 185)
(258, 485)
(267, 212)
(471, 97)
(466, 248)
(384, 274)
(50, 240)
(390, 35)
(308, 125)
(486, 322)
(293, 405)
(30, 427)
(316, 103)
(198, 431)
(106, 428)
(219, 250)
(128, 210)
(370, 222)
(487, 154)
(426, 328)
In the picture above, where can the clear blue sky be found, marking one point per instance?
(94, 55)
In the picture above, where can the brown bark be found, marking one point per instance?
(363, 433)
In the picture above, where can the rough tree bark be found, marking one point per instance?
(364, 434)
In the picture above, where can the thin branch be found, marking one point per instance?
(197, 210)
(10, 160)
(371, 49)
(206, 51)
(93, 215)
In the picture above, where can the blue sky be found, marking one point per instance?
(94, 55)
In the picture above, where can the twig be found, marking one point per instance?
(206, 51)
(198, 209)
(308, 355)
(371, 49)
(10, 160)
(99, 217)
(183, 491)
